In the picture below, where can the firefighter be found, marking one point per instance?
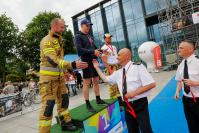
(52, 82)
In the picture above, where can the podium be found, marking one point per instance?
(107, 119)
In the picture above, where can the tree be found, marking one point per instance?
(35, 31)
(69, 43)
(16, 70)
(16, 67)
(8, 37)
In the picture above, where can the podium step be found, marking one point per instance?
(80, 114)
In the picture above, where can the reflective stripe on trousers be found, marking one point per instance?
(45, 123)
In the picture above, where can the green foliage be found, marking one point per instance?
(8, 37)
(69, 43)
(16, 68)
(13, 78)
(32, 76)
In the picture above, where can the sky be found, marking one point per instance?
(22, 11)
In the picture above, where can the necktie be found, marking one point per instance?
(186, 76)
(127, 105)
(124, 91)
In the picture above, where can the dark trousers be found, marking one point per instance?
(142, 122)
(191, 111)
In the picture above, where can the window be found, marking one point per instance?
(99, 22)
(116, 14)
(150, 6)
(137, 9)
(132, 35)
(113, 16)
(141, 32)
(93, 20)
(120, 38)
(161, 4)
(98, 39)
(154, 33)
(128, 10)
(132, 9)
(97, 28)
(174, 2)
(109, 17)
(114, 24)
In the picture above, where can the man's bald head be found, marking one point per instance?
(126, 52)
(124, 56)
(56, 21)
(57, 25)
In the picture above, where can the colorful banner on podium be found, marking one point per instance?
(105, 121)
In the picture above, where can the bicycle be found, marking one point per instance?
(31, 97)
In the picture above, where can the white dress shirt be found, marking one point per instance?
(112, 50)
(193, 70)
(136, 76)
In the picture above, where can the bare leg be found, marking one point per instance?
(86, 84)
(96, 86)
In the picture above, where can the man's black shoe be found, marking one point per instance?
(100, 101)
(90, 108)
(69, 126)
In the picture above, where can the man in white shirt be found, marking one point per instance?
(187, 77)
(110, 60)
(134, 83)
(110, 49)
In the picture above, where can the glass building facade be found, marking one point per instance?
(131, 22)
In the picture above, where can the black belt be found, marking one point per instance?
(191, 98)
(139, 100)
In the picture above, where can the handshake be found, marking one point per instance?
(99, 52)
